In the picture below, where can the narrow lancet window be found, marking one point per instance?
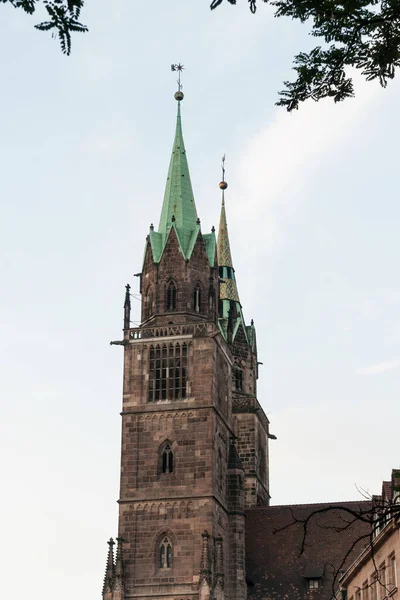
(167, 460)
(239, 379)
(197, 298)
(150, 303)
(165, 554)
(170, 303)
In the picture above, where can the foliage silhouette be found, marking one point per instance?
(360, 34)
(63, 18)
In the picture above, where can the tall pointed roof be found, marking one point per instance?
(223, 245)
(228, 289)
(178, 205)
(230, 311)
(179, 209)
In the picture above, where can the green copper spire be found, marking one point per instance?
(178, 209)
(178, 205)
(230, 309)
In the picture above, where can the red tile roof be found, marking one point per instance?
(276, 569)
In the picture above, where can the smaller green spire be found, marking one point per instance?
(223, 246)
(230, 311)
(228, 289)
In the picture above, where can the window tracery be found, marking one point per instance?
(167, 372)
(165, 554)
(167, 459)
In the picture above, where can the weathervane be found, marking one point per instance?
(223, 185)
(178, 68)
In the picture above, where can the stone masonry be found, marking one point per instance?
(194, 438)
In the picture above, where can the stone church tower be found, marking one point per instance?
(194, 451)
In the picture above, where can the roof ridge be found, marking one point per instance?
(328, 503)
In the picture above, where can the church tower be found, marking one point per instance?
(194, 438)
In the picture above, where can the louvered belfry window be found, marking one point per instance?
(167, 372)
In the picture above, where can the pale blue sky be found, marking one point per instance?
(313, 214)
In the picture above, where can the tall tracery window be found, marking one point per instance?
(167, 459)
(170, 299)
(197, 298)
(167, 372)
(165, 554)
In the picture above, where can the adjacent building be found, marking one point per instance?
(374, 574)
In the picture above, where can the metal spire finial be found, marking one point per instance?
(178, 67)
(223, 185)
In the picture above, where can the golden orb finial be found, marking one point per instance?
(223, 185)
(179, 95)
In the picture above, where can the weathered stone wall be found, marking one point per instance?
(252, 444)
(194, 497)
(186, 274)
(251, 424)
(200, 493)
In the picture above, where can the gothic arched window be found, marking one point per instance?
(165, 554)
(197, 298)
(170, 299)
(238, 379)
(167, 459)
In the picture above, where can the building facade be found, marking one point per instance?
(194, 452)
(374, 573)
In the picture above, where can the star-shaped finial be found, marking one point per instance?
(178, 67)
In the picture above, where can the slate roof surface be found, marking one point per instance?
(224, 248)
(276, 570)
